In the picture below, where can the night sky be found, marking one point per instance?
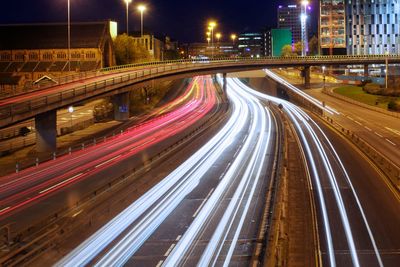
(184, 20)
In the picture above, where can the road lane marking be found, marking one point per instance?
(378, 135)
(169, 250)
(202, 203)
(4, 209)
(105, 162)
(390, 142)
(178, 237)
(145, 143)
(359, 123)
(223, 173)
(369, 129)
(159, 263)
(350, 118)
(63, 182)
(237, 151)
(393, 130)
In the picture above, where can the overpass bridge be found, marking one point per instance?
(42, 104)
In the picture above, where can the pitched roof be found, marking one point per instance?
(51, 35)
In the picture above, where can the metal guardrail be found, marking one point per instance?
(388, 167)
(358, 103)
(134, 73)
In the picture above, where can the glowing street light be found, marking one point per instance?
(303, 18)
(127, 2)
(211, 27)
(218, 36)
(71, 110)
(323, 73)
(142, 9)
(208, 40)
(233, 38)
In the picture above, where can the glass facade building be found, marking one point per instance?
(289, 18)
(373, 27)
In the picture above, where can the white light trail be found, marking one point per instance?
(299, 117)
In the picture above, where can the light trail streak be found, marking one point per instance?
(299, 117)
(296, 90)
(20, 190)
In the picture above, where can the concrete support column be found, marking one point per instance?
(307, 77)
(121, 106)
(366, 70)
(46, 131)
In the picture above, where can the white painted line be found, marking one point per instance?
(4, 209)
(237, 151)
(169, 250)
(159, 263)
(63, 182)
(105, 162)
(202, 203)
(390, 142)
(350, 118)
(178, 237)
(136, 147)
(223, 173)
(369, 129)
(393, 130)
(359, 123)
(378, 134)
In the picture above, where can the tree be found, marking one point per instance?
(287, 51)
(313, 46)
(127, 51)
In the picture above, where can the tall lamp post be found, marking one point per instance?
(218, 36)
(211, 27)
(323, 73)
(303, 17)
(127, 2)
(69, 35)
(142, 9)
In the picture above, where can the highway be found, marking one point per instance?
(358, 213)
(110, 158)
(380, 130)
(206, 209)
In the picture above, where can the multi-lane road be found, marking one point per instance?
(209, 209)
(87, 169)
(358, 211)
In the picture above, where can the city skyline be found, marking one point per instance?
(159, 18)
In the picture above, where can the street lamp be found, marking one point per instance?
(233, 38)
(71, 110)
(303, 18)
(211, 27)
(127, 15)
(323, 73)
(69, 35)
(142, 9)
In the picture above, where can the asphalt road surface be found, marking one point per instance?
(207, 211)
(33, 194)
(358, 213)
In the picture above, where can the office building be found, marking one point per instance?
(279, 39)
(332, 27)
(251, 44)
(289, 18)
(373, 27)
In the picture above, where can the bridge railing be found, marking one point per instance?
(143, 71)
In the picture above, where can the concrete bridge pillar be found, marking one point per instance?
(366, 70)
(121, 106)
(46, 131)
(307, 77)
